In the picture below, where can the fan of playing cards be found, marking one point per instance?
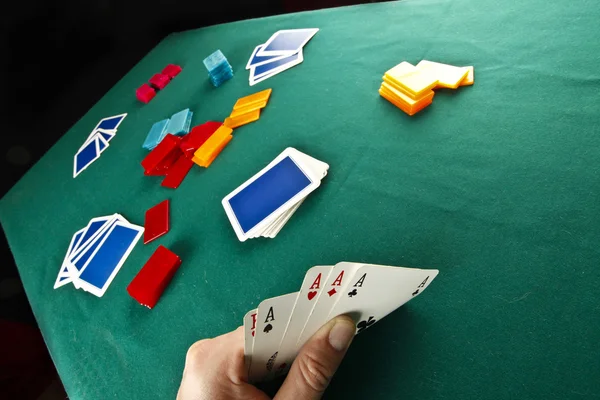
(281, 52)
(265, 202)
(96, 143)
(97, 252)
(275, 332)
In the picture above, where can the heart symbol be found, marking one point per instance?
(311, 295)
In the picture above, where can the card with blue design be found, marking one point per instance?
(97, 252)
(263, 204)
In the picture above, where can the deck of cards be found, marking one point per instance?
(281, 52)
(97, 252)
(96, 143)
(275, 332)
(263, 204)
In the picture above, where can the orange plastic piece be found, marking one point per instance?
(448, 76)
(414, 83)
(470, 78)
(247, 109)
(403, 102)
(253, 98)
(401, 89)
(206, 154)
(242, 119)
(402, 69)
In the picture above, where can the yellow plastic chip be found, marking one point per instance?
(406, 104)
(402, 69)
(213, 146)
(401, 89)
(242, 119)
(448, 76)
(253, 98)
(470, 78)
(413, 83)
(255, 106)
(407, 99)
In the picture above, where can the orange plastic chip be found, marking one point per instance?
(247, 109)
(402, 69)
(213, 146)
(448, 76)
(253, 98)
(402, 97)
(470, 78)
(403, 102)
(242, 119)
(414, 83)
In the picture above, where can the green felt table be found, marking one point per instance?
(497, 185)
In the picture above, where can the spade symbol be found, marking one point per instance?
(352, 293)
(268, 328)
(416, 292)
(362, 325)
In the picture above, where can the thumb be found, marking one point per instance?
(318, 360)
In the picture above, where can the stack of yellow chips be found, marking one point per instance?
(210, 149)
(247, 109)
(410, 88)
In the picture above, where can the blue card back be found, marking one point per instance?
(267, 193)
(110, 123)
(109, 256)
(266, 68)
(85, 156)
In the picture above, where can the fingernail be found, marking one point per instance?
(341, 334)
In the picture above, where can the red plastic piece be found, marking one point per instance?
(149, 284)
(172, 70)
(145, 93)
(159, 81)
(197, 136)
(177, 172)
(162, 154)
(156, 223)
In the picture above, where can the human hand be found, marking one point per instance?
(214, 368)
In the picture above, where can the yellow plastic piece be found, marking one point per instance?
(247, 109)
(253, 98)
(401, 89)
(448, 76)
(242, 119)
(403, 102)
(212, 147)
(414, 83)
(402, 69)
(470, 78)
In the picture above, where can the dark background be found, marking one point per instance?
(58, 60)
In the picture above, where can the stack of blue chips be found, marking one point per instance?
(218, 67)
(179, 124)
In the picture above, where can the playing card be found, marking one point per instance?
(314, 281)
(287, 42)
(336, 284)
(64, 276)
(104, 263)
(253, 206)
(249, 331)
(256, 60)
(272, 317)
(374, 291)
(85, 157)
(110, 123)
(268, 70)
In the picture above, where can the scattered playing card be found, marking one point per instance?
(96, 143)
(97, 252)
(257, 204)
(275, 333)
(281, 52)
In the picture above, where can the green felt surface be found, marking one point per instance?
(497, 185)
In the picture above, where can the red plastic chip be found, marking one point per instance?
(159, 81)
(149, 284)
(156, 223)
(172, 70)
(145, 93)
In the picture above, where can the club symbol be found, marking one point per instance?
(416, 292)
(271, 361)
(332, 292)
(268, 328)
(362, 325)
(352, 293)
